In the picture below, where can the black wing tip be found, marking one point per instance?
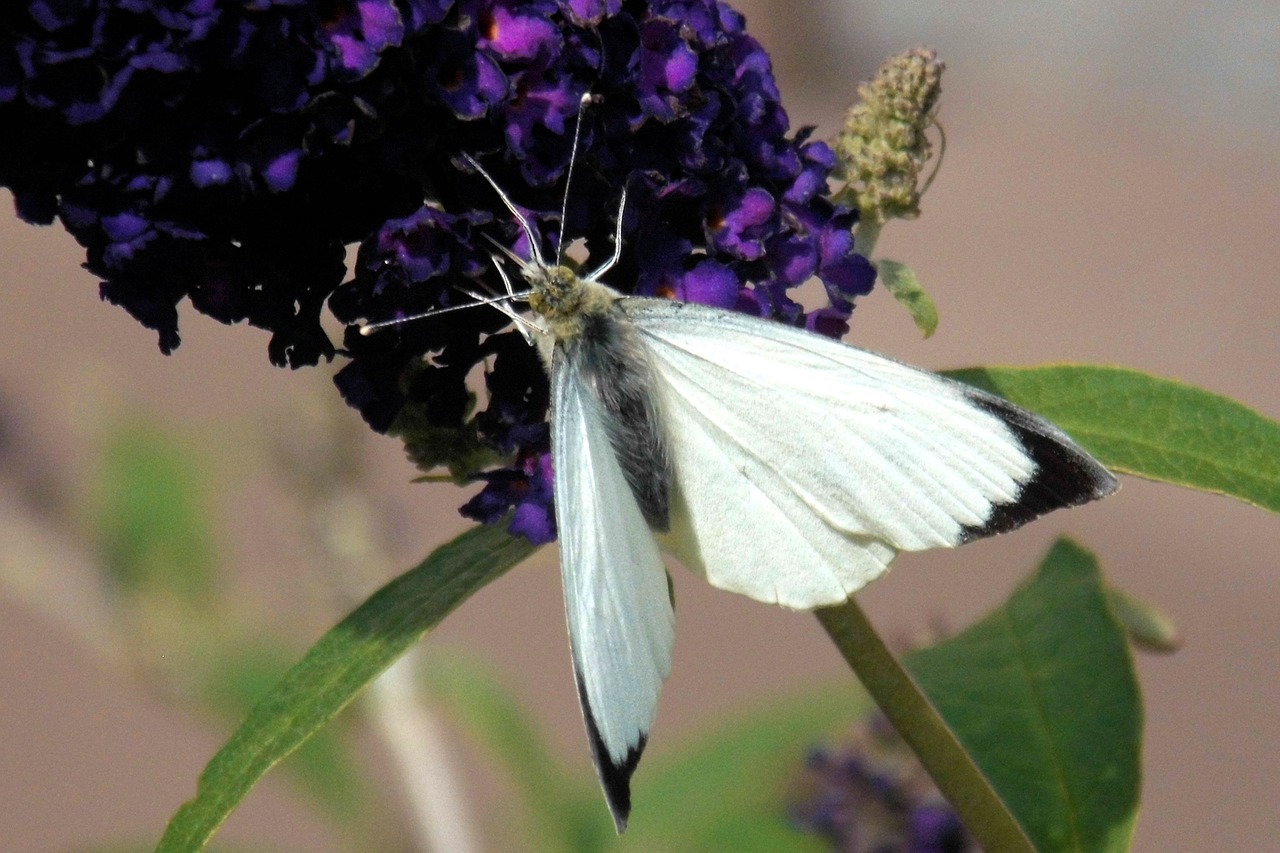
(1065, 475)
(615, 778)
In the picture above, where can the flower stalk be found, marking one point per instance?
(921, 726)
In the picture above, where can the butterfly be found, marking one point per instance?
(775, 462)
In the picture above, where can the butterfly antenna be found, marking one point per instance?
(587, 100)
(511, 256)
(525, 225)
(617, 241)
(370, 328)
(523, 325)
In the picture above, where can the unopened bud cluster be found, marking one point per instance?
(883, 146)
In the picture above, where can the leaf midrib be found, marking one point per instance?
(1046, 731)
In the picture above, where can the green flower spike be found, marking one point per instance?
(883, 148)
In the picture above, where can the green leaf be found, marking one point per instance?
(900, 281)
(924, 729)
(152, 519)
(336, 668)
(1154, 428)
(1042, 694)
(728, 790)
(1149, 628)
(242, 671)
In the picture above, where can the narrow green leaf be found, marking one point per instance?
(152, 522)
(1149, 628)
(1042, 694)
(336, 668)
(243, 670)
(727, 790)
(1154, 428)
(900, 281)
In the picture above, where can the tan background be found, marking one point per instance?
(1110, 195)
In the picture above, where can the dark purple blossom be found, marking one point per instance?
(228, 153)
(741, 230)
(360, 30)
(873, 796)
(525, 492)
(711, 283)
(591, 12)
(520, 30)
(668, 68)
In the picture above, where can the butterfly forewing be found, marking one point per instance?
(621, 624)
(803, 464)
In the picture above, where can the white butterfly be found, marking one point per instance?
(775, 462)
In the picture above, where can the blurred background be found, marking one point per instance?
(1111, 194)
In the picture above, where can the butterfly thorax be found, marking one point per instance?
(562, 298)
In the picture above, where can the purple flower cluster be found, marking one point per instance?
(200, 149)
(229, 152)
(875, 797)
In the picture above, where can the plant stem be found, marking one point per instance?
(865, 237)
(921, 726)
(399, 712)
(47, 570)
(415, 738)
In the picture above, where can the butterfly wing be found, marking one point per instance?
(803, 465)
(621, 623)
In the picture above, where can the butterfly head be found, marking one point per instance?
(562, 298)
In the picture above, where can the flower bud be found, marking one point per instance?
(883, 146)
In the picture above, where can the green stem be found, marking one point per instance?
(921, 726)
(865, 235)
